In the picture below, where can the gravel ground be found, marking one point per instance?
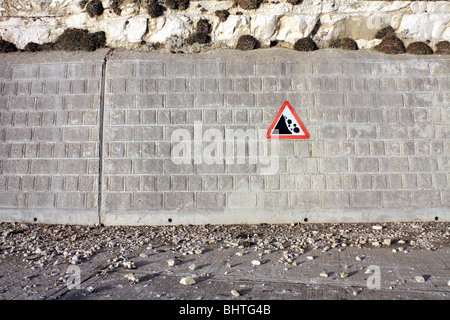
(41, 245)
(33, 254)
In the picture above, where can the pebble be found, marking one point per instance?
(256, 263)
(186, 281)
(310, 257)
(420, 279)
(235, 293)
(323, 275)
(377, 227)
(360, 258)
(344, 274)
(90, 289)
(128, 265)
(192, 267)
(130, 276)
(171, 262)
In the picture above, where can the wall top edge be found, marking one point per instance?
(52, 57)
(267, 55)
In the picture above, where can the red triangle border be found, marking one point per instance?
(275, 121)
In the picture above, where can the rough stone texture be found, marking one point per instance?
(23, 21)
(379, 147)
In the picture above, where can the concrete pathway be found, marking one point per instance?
(352, 273)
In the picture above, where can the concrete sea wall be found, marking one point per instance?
(151, 138)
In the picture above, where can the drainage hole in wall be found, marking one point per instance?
(306, 219)
(170, 220)
(436, 218)
(35, 219)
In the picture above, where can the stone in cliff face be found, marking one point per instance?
(163, 28)
(234, 27)
(425, 26)
(135, 29)
(293, 27)
(21, 31)
(42, 21)
(264, 27)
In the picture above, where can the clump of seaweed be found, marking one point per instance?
(249, 4)
(115, 6)
(94, 8)
(79, 40)
(305, 44)
(247, 42)
(154, 9)
(391, 44)
(6, 47)
(443, 47)
(344, 43)
(177, 4)
(33, 47)
(201, 34)
(419, 48)
(222, 15)
(72, 40)
(384, 32)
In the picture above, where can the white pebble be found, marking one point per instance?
(187, 281)
(234, 293)
(170, 262)
(420, 279)
(192, 267)
(256, 262)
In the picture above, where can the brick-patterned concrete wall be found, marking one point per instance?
(379, 146)
(49, 136)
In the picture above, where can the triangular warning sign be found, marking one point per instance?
(287, 125)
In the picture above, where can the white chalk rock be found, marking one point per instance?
(135, 29)
(162, 28)
(263, 26)
(256, 263)
(292, 28)
(233, 28)
(186, 281)
(424, 26)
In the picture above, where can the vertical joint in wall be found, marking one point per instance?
(100, 133)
